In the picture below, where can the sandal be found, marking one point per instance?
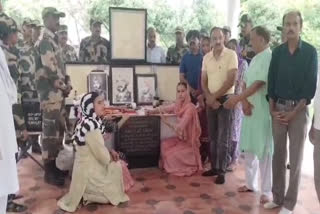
(16, 208)
(244, 189)
(264, 199)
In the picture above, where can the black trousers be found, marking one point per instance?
(219, 127)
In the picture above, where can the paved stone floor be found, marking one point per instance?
(156, 192)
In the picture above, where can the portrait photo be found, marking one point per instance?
(98, 82)
(146, 88)
(122, 85)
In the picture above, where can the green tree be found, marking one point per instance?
(195, 14)
(200, 14)
(270, 15)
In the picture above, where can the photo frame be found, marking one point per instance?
(79, 73)
(98, 82)
(121, 89)
(146, 88)
(131, 45)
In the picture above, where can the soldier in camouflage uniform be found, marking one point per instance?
(36, 31)
(94, 49)
(176, 52)
(68, 55)
(8, 39)
(27, 70)
(52, 89)
(27, 61)
(68, 52)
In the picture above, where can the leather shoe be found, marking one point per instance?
(210, 172)
(220, 179)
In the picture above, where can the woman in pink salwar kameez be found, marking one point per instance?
(180, 155)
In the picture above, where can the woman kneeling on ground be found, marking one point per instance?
(180, 155)
(98, 175)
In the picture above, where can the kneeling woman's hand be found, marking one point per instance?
(114, 155)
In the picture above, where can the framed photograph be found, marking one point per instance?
(122, 85)
(128, 34)
(79, 75)
(98, 82)
(146, 86)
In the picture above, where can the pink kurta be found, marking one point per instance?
(181, 157)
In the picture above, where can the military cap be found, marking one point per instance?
(179, 29)
(63, 28)
(52, 11)
(7, 25)
(245, 19)
(37, 23)
(28, 21)
(95, 21)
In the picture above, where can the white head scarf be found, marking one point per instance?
(89, 120)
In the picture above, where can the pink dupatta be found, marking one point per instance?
(189, 124)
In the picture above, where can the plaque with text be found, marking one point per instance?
(33, 116)
(139, 139)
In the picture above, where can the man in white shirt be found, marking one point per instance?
(155, 54)
(314, 136)
(8, 144)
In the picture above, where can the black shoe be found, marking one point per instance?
(220, 179)
(52, 176)
(210, 172)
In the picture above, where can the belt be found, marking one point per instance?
(287, 102)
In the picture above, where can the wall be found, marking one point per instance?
(167, 78)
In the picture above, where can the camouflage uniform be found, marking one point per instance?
(50, 68)
(174, 54)
(37, 28)
(68, 55)
(27, 69)
(12, 60)
(96, 51)
(17, 110)
(68, 52)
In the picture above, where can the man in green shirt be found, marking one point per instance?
(292, 83)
